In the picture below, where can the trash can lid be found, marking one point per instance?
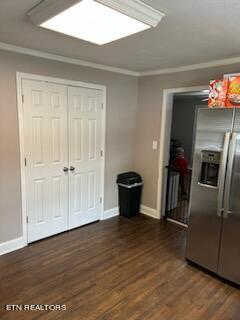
(129, 178)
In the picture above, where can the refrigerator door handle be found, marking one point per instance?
(222, 174)
(231, 154)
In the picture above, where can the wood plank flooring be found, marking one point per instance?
(117, 269)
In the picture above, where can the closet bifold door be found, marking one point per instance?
(46, 156)
(85, 128)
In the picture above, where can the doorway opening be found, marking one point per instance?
(179, 169)
(177, 137)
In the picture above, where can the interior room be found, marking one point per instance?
(119, 143)
(183, 127)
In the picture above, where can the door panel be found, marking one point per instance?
(85, 127)
(204, 223)
(229, 260)
(46, 150)
(92, 132)
(78, 139)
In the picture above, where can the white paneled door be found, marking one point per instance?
(85, 128)
(62, 145)
(46, 151)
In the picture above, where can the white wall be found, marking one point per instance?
(150, 93)
(121, 115)
(132, 122)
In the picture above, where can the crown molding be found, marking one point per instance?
(204, 65)
(136, 9)
(50, 56)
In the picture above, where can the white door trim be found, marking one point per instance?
(21, 76)
(164, 139)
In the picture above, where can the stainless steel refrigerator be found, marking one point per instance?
(213, 240)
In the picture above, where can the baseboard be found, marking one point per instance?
(143, 209)
(12, 245)
(149, 212)
(110, 213)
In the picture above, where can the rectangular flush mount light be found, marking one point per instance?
(97, 21)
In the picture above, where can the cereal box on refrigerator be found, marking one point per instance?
(217, 93)
(233, 95)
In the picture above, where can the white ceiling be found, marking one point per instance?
(193, 32)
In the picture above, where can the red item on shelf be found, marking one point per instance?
(181, 164)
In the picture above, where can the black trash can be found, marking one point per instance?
(129, 193)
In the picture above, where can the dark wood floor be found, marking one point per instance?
(116, 269)
(180, 213)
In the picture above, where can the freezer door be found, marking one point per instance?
(206, 199)
(229, 259)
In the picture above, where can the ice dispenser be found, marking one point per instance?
(210, 162)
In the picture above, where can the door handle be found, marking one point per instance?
(222, 174)
(65, 169)
(72, 168)
(229, 174)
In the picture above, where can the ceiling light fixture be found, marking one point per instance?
(97, 21)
